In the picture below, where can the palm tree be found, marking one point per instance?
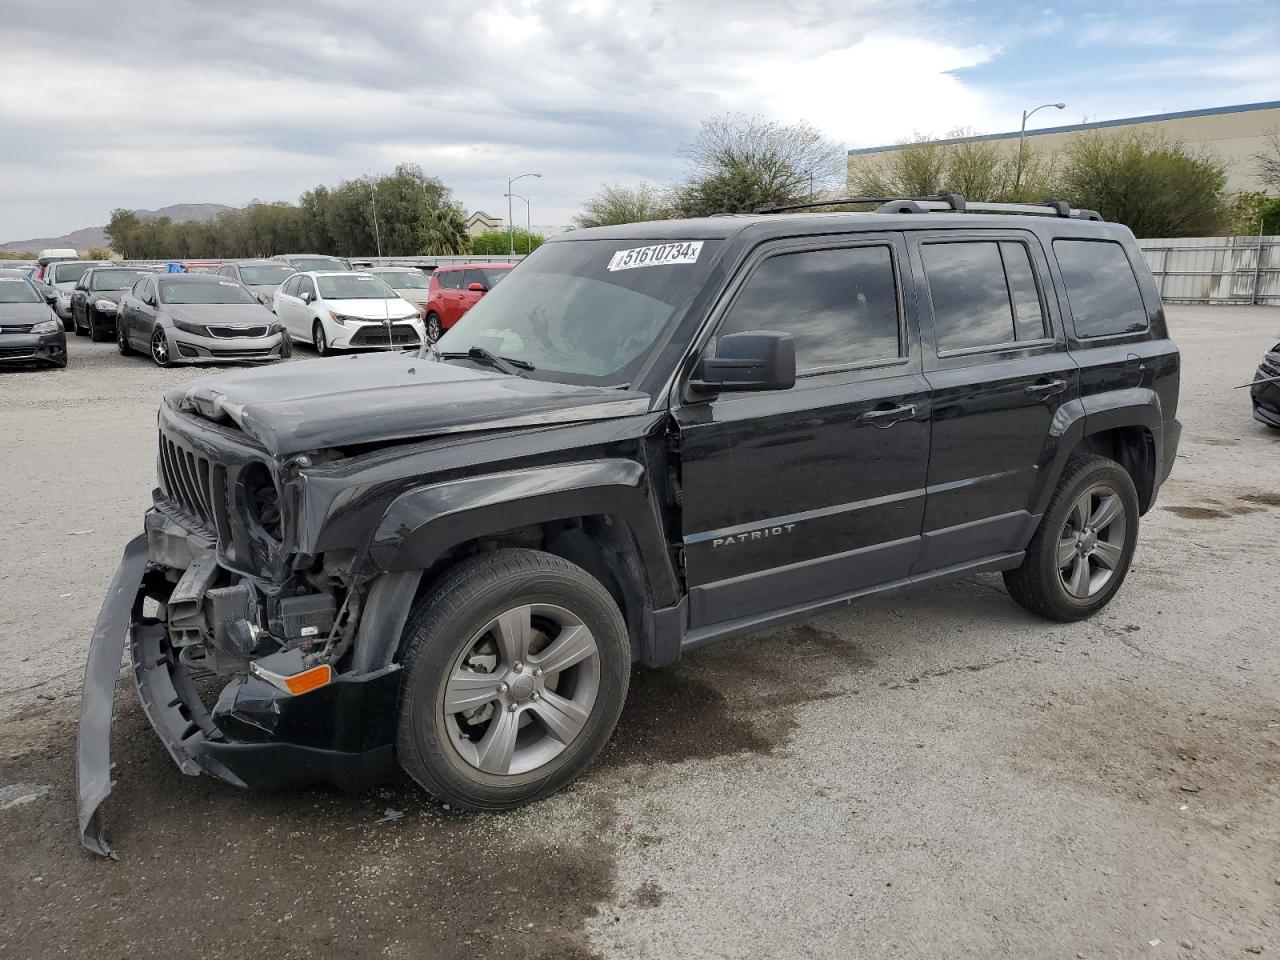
(442, 232)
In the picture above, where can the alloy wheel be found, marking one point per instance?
(1091, 544)
(433, 328)
(160, 348)
(522, 689)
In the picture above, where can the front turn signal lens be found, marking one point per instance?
(296, 683)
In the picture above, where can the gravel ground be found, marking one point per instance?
(940, 775)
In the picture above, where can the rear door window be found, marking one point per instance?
(984, 294)
(1101, 288)
(450, 279)
(840, 305)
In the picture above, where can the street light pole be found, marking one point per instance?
(528, 220)
(511, 230)
(1022, 136)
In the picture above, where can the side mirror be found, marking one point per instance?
(306, 296)
(50, 295)
(477, 288)
(756, 360)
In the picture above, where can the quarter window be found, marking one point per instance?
(1101, 287)
(840, 305)
(984, 294)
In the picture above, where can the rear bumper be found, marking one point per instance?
(34, 348)
(254, 736)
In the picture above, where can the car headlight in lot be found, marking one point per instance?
(196, 328)
(275, 328)
(104, 306)
(47, 326)
(342, 320)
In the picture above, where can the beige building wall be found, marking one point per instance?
(1235, 134)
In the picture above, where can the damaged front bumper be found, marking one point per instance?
(255, 735)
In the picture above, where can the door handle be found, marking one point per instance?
(888, 416)
(1047, 389)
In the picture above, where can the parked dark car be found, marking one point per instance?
(30, 331)
(95, 300)
(197, 318)
(305, 262)
(646, 438)
(1265, 391)
(261, 277)
(62, 276)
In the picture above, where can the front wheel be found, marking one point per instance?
(515, 672)
(96, 333)
(319, 340)
(160, 348)
(434, 332)
(1082, 549)
(122, 339)
(75, 325)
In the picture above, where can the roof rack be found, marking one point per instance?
(944, 203)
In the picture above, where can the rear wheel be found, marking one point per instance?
(1081, 552)
(516, 670)
(160, 348)
(318, 339)
(122, 339)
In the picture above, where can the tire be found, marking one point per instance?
(286, 347)
(441, 750)
(75, 324)
(319, 340)
(122, 340)
(1075, 564)
(434, 330)
(96, 333)
(161, 354)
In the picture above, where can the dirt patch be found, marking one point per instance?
(1230, 762)
(647, 895)
(1213, 441)
(1198, 513)
(1265, 499)
(294, 874)
(945, 672)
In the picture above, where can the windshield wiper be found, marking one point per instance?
(508, 365)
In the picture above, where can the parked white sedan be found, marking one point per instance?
(346, 311)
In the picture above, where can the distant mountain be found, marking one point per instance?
(88, 238)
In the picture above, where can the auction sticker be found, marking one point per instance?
(659, 255)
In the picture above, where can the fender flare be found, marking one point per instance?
(423, 524)
(1079, 419)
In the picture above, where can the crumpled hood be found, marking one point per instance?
(219, 314)
(374, 398)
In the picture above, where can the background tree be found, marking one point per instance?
(613, 204)
(443, 232)
(1267, 161)
(121, 231)
(497, 243)
(736, 163)
(1157, 186)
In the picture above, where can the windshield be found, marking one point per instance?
(586, 311)
(408, 280)
(204, 291)
(318, 263)
(68, 272)
(17, 290)
(114, 279)
(356, 286)
(262, 276)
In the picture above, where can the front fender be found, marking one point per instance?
(421, 525)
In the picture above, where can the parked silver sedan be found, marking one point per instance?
(197, 318)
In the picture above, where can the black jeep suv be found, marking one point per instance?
(649, 437)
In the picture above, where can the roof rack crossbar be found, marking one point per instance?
(943, 203)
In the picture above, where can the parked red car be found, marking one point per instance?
(455, 290)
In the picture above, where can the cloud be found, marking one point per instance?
(165, 101)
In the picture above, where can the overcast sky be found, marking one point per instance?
(143, 104)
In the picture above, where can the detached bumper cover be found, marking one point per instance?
(256, 736)
(93, 747)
